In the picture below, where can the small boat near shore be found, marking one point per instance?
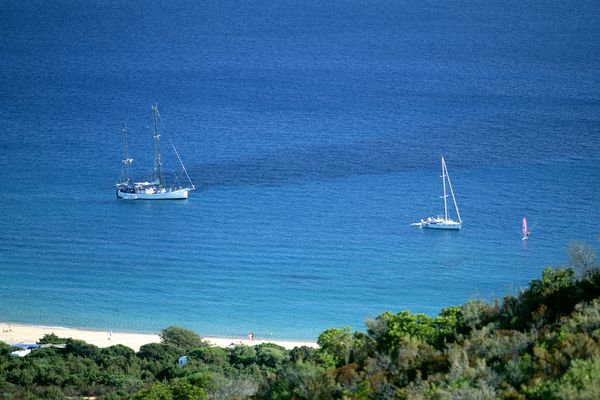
(157, 188)
(438, 222)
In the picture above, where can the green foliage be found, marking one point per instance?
(181, 338)
(183, 390)
(553, 280)
(200, 379)
(582, 380)
(51, 338)
(82, 349)
(5, 349)
(498, 346)
(446, 325)
(303, 354)
(388, 329)
(242, 355)
(516, 350)
(546, 300)
(541, 389)
(156, 358)
(117, 351)
(159, 352)
(52, 393)
(585, 319)
(297, 381)
(270, 355)
(158, 391)
(217, 357)
(335, 346)
(542, 344)
(238, 386)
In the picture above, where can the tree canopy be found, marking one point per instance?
(543, 343)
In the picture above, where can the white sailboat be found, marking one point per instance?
(157, 189)
(446, 222)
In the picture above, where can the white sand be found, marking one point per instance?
(20, 333)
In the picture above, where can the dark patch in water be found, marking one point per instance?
(321, 163)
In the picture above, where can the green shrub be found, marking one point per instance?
(181, 338)
(242, 355)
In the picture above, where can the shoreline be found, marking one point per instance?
(16, 333)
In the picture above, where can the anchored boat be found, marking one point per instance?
(446, 222)
(156, 188)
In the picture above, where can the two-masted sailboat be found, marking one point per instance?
(446, 222)
(156, 188)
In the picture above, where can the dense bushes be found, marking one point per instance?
(541, 344)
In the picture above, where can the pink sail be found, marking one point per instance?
(525, 228)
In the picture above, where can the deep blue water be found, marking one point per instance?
(314, 132)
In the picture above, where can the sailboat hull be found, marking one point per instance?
(445, 223)
(157, 189)
(449, 226)
(178, 194)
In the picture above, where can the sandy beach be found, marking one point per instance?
(21, 333)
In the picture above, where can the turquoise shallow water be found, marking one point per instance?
(314, 134)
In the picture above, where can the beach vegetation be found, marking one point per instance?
(214, 357)
(542, 343)
(182, 338)
(270, 355)
(51, 338)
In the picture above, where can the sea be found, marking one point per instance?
(313, 132)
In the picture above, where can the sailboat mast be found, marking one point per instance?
(157, 161)
(444, 185)
(126, 160)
